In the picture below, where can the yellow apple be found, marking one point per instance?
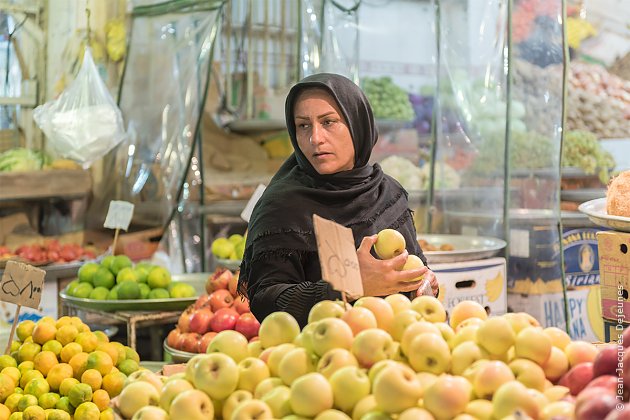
(447, 397)
(252, 410)
(307, 336)
(171, 389)
(559, 338)
(278, 400)
(364, 406)
(470, 321)
(382, 311)
(489, 377)
(429, 352)
(540, 398)
(464, 310)
(426, 379)
(446, 331)
(372, 345)
(216, 375)
(471, 371)
(331, 333)
(389, 243)
(278, 328)
(251, 371)
(580, 352)
(468, 333)
(513, 396)
(359, 319)
(231, 343)
(334, 360)
(398, 302)
(267, 385)
(326, 309)
(533, 344)
(415, 413)
(396, 389)
(495, 336)
(233, 400)
(430, 308)
(296, 363)
(413, 262)
(332, 414)
(382, 364)
(349, 385)
(254, 348)
(518, 321)
(276, 356)
(311, 394)
(528, 373)
(398, 355)
(146, 413)
(401, 321)
(413, 330)
(558, 410)
(136, 395)
(480, 409)
(464, 355)
(556, 392)
(556, 365)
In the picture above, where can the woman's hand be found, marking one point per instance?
(382, 277)
(435, 286)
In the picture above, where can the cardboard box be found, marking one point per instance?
(583, 307)
(481, 280)
(613, 330)
(47, 306)
(614, 266)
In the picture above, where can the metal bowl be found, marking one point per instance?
(596, 211)
(466, 248)
(178, 356)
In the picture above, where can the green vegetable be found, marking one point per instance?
(20, 159)
(389, 101)
(581, 149)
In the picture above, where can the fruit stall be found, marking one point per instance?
(137, 136)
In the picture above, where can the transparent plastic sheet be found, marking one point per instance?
(83, 123)
(330, 37)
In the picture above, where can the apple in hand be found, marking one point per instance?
(252, 371)
(389, 243)
(216, 375)
(326, 309)
(396, 389)
(372, 345)
(429, 352)
(278, 328)
(331, 333)
(231, 343)
(413, 262)
(334, 360)
(430, 308)
(192, 404)
(349, 385)
(310, 395)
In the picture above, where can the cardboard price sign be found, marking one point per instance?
(22, 284)
(119, 215)
(338, 256)
(246, 214)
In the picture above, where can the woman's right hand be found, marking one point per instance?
(383, 277)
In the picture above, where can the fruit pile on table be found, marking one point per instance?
(59, 369)
(392, 358)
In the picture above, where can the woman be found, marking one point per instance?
(332, 130)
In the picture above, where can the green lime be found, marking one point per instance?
(104, 278)
(126, 274)
(99, 293)
(159, 277)
(113, 293)
(48, 400)
(83, 290)
(159, 293)
(71, 286)
(64, 404)
(107, 261)
(120, 262)
(182, 290)
(128, 366)
(87, 272)
(144, 290)
(128, 290)
(142, 272)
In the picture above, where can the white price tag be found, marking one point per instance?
(246, 214)
(119, 215)
(22, 284)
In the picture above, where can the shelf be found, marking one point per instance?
(36, 185)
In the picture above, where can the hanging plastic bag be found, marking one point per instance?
(83, 123)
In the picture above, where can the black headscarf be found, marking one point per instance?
(364, 198)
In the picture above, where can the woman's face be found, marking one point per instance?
(322, 132)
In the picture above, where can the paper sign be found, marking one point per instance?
(246, 214)
(119, 215)
(338, 256)
(22, 284)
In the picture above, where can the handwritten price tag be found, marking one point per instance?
(338, 256)
(22, 284)
(119, 215)
(246, 214)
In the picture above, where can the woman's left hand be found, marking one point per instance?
(435, 286)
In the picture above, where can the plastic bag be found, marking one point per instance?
(83, 123)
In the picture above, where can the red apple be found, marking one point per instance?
(596, 408)
(205, 341)
(577, 377)
(233, 284)
(606, 362)
(172, 338)
(184, 321)
(608, 382)
(188, 342)
(241, 305)
(202, 301)
(248, 325)
(622, 414)
(218, 280)
(224, 319)
(200, 321)
(221, 299)
(590, 393)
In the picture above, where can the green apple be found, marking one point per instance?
(372, 345)
(171, 389)
(296, 363)
(136, 395)
(413, 330)
(216, 375)
(430, 308)
(447, 397)
(278, 328)
(278, 400)
(311, 394)
(464, 355)
(429, 352)
(398, 302)
(495, 336)
(234, 400)
(490, 377)
(349, 385)
(396, 389)
(332, 414)
(267, 385)
(389, 243)
(359, 319)
(252, 410)
(513, 396)
(149, 413)
(231, 343)
(331, 333)
(364, 406)
(401, 321)
(251, 372)
(528, 373)
(532, 343)
(334, 360)
(382, 311)
(326, 309)
(192, 404)
(276, 357)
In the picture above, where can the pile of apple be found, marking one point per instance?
(219, 310)
(59, 369)
(231, 248)
(392, 358)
